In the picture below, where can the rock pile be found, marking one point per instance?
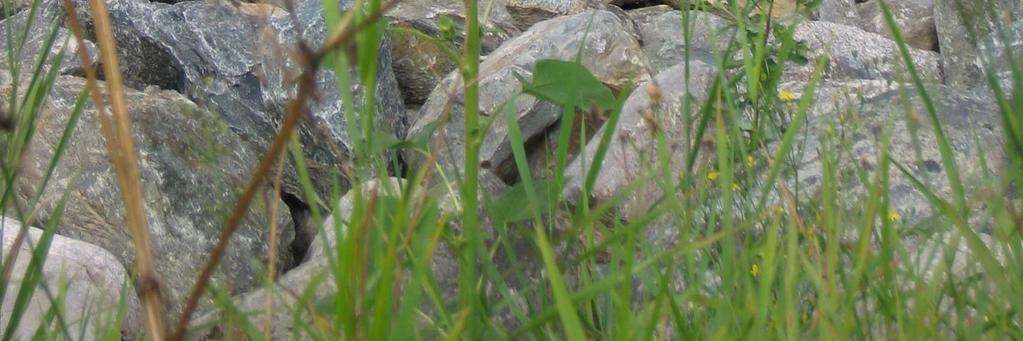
(209, 82)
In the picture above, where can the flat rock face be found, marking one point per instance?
(91, 279)
(633, 152)
(192, 167)
(529, 12)
(856, 54)
(837, 11)
(226, 59)
(970, 35)
(661, 32)
(610, 50)
(914, 18)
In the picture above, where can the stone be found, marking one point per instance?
(633, 150)
(12, 7)
(237, 63)
(48, 14)
(303, 278)
(856, 54)
(192, 169)
(610, 51)
(914, 18)
(838, 11)
(861, 110)
(88, 281)
(661, 35)
(970, 36)
(529, 12)
(420, 65)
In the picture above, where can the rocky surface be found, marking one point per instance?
(225, 59)
(91, 281)
(837, 11)
(914, 18)
(977, 33)
(610, 49)
(192, 166)
(661, 31)
(632, 149)
(856, 54)
(420, 65)
(47, 17)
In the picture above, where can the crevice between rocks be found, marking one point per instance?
(304, 231)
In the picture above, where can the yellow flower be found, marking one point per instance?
(754, 270)
(787, 96)
(735, 187)
(893, 216)
(749, 161)
(713, 175)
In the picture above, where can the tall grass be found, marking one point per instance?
(749, 255)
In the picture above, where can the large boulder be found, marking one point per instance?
(609, 49)
(529, 12)
(856, 54)
(633, 153)
(419, 65)
(977, 33)
(914, 18)
(88, 281)
(837, 11)
(861, 110)
(192, 167)
(661, 34)
(238, 63)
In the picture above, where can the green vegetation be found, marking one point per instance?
(750, 261)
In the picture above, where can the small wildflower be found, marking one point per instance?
(754, 270)
(713, 175)
(735, 187)
(749, 161)
(893, 216)
(787, 96)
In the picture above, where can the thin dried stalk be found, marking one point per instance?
(271, 256)
(121, 149)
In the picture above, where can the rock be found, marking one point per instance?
(915, 19)
(223, 58)
(661, 35)
(419, 65)
(632, 146)
(192, 167)
(837, 11)
(90, 280)
(12, 7)
(48, 13)
(610, 51)
(529, 12)
(969, 38)
(778, 9)
(856, 54)
(970, 123)
(304, 277)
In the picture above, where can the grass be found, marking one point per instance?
(750, 253)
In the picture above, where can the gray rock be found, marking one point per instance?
(662, 35)
(12, 7)
(861, 110)
(192, 167)
(225, 59)
(291, 285)
(48, 14)
(529, 12)
(610, 51)
(914, 18)
(419, 65)
(633, 150)
(856, 54)
(837, 11)
(91, 280)
(969, 38)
